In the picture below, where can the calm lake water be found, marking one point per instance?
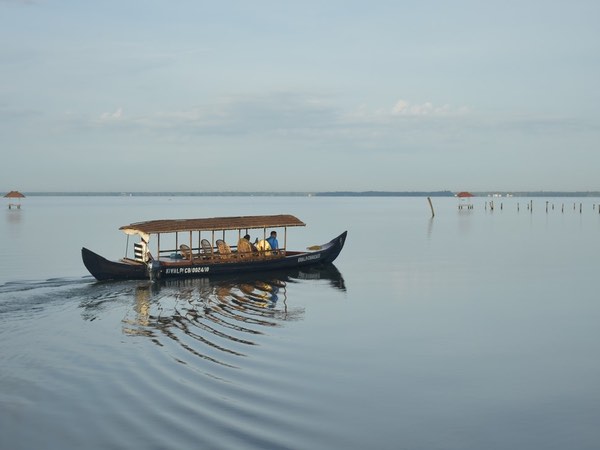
(476, 329)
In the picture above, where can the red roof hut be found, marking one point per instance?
(465, 200)
(12, 195)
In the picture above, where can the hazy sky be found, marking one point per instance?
(297, 96)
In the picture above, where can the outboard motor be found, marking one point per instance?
(154, 269)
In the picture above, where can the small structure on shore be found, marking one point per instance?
(464, 198)
(14, 199)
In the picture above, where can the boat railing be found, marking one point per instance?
(198, 253)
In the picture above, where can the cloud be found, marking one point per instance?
(300, 118)
(114, 116)
(279, 112)
(404, 108)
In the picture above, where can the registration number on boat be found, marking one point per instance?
(184, 270)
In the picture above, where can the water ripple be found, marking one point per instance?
(210, 320)
(177, 364)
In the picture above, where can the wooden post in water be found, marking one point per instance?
(580, 207)
(431, 206)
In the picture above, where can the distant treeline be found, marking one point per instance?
(385, 194)
(317, 194)
(247, 194)
(540, 194)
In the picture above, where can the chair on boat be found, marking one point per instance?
(223, 248)
(186, 251)
(206, 246)
(207, 249)
(243, 247)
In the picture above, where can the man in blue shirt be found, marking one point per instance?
(272, 240)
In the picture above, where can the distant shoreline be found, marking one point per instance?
(319, 194)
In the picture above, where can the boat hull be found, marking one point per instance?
(103, 269)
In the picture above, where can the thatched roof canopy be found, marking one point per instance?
(14, 194)
(212, 224)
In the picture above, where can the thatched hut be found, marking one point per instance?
(464, 199)
(14, 199)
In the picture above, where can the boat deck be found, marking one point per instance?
(219, 258)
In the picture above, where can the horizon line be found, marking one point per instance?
(341, 193)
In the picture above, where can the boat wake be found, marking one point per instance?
(24, 295)
(223, 351)
(27, 285)
(213, 319)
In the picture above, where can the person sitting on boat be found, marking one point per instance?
(245, 246)
(252, 246)
(263, 247)
(272, 240)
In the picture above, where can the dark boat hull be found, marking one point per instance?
(103, 269)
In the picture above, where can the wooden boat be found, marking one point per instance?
(197, 256)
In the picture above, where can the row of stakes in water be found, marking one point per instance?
(530, 206)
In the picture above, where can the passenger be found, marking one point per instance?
(245, 246)
(263, 247)
(252, 246)
(272, 240)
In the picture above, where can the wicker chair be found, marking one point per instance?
(186, 252)
(207, 249)
(223, 248)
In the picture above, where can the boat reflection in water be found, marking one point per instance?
(225, 315)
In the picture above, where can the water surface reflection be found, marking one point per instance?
(217, 319)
